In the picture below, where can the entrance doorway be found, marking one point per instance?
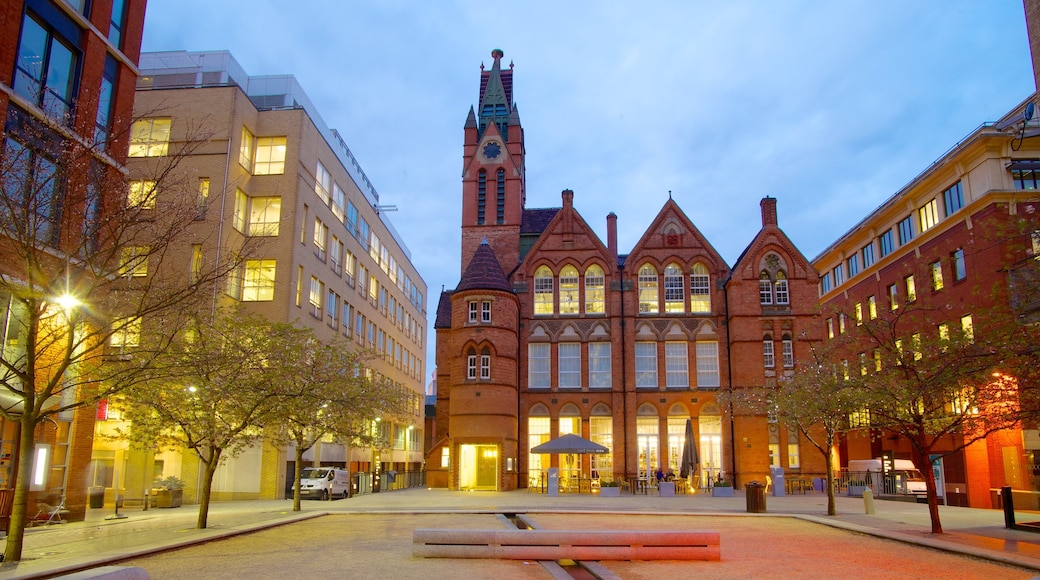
(478, 467)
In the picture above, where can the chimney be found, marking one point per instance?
(768, 211)
(568, 198)
(612, 234)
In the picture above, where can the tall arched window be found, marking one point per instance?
(569, 300)
(543, 291)
(594, 296)
(500, 217)
(481, 196)
(700, 289)
(648, 299)
(537, 433)
(601, 427)
(674, 293)
(765, 288)
(780, 288)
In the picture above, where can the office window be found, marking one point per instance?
(825, 283)
(141, 194)
(350, 267)
(937, 277)
(765, 287)
(270, 156)
(569, 300)
(959, 270)
(246, 148)
(871, 307)
(787, 350)
(767, 352)
(117, 23)
(648, 298)
(841, 323)
(852, 265)
(485, 311)
(780, 288)
(708, 364)
(133, 262)
(886, 243)
(126, 332)
(332, 307)
(968, 328)
(321, 237)
(258, 281)
(543, 291)
(594, 294)
(103, 119)
(150, 137)
(893, 297)
(195, 268)
(315, 297)
(906, 230)
(336, 255)
(202, 198)
(928, 215)
(674, 292)
(954, 198)
(569, 364)
(46, 67)
(538, 367)
(676, 365)
(839, 276)
(646, 364)
(352, 219)
(830, 328)
(599, 365)
(867, 253)
(265, 215)
(858, 311)
(700, 289)
(374, 247)
(911, 288)
(323, 184)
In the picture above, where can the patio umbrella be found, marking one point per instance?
(689, 452)
(569, 443)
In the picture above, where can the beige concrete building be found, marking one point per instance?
(269, 174)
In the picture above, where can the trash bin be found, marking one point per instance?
(96, 496)
(779, 486)
(554, 481)
(755, 493)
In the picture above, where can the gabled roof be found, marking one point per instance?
(534, 221)
(671, 212)
(484, 272)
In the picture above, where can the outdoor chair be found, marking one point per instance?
(49, 514)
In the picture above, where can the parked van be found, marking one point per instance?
(903, 478)
(324, 483)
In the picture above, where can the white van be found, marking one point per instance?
(324, 483)
(904, 478)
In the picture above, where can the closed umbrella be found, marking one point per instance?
(689, 453)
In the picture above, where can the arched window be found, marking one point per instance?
(485, 364)
(500, 217)
(569, 300)
(471, 365)
(601, 428)
(543, 291)
(765, 288)
(537, 433)
(594, 296)
(780, 288)
(768, 355)
(700, 289)
(674, 293)
(648, 299)
(481, 196)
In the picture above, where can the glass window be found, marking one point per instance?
(594, 294)
(118, 23)
(707, 364)
(126, 332)
(485, 365)
(674, 292)
(150, 137)
(246, 148)
(765, 287)
(871, 307)
(339, 201)
(787, 349)
(911, 288)
(321, 237)
(700, 289)
(841, 323)
(968, 328)
(569, 364)
(599, 364)
(780, 288)
(677, 365)
(481, 195)
(45, 69)
(646, 364)
(858, 310)
(473, 310)
(323, 184)
(954, 198)
(839, 276)
(270, 156)
(103, 119)
(569, 301)
(315, 297)
(133, 262)
(867, 252)
(336, 255)
(928, 215)
(830, 328)
(959, 270)
(471, 365)
(352, 219)
(141, 194)
(767, 352)
(886, 243)
(852, 265)
(906, 230)
(485, 311)
(893, 297)
(265, 214)
(937, 277)
(538, 365)
(258, 281)
(648, 298)
(543, 291)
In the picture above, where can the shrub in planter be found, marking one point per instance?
(610, 489)
(169, 492)
(722, 489)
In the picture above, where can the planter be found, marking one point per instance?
(722, 492)
(169, 498)
(857, 490)
(610, 491)
(666, 488)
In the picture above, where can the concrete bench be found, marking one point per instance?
(567, 544)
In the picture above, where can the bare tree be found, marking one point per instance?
(89, 302)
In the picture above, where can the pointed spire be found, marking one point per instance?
(471, 119)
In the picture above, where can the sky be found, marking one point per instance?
(830, 107)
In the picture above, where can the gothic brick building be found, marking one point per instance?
(551, 331)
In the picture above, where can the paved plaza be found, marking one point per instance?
(370, 536)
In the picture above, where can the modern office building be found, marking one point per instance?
(67, 76)
(267, 172)
(551, 331)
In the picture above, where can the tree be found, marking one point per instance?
(88, 306)
(327, 393)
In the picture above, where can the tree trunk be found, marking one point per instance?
(924, 464)
(207, 487)
(832, 508)
(296, 481)
(20, 503)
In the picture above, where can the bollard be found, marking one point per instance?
(1008, 504)
(868, 501)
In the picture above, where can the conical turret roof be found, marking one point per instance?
(484, 272)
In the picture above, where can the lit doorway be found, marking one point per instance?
(478, 467)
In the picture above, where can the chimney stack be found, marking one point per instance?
(568, 198)
(768, 211)
(612, 234)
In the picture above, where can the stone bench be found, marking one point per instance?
(567, 544)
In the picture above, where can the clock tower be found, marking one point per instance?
(493, 179)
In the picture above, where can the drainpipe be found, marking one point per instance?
(729, 380)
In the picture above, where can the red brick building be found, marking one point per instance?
(552, 331)
(67, 77)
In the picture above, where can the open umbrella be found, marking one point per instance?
(689, 452)
(569, 443)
